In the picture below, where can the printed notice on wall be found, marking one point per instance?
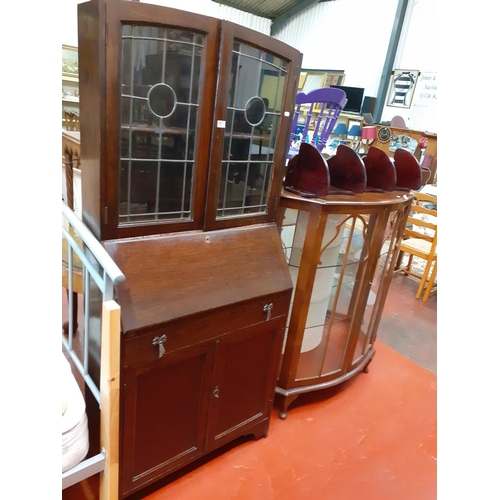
(427, 89)
(424, 105)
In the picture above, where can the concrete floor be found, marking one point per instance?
(409, 325)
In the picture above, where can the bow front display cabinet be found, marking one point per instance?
(341, 251)
(184, 127)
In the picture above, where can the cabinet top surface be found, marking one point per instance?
(367, 199)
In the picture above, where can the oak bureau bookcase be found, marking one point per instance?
(184, 125)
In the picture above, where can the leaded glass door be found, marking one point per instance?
(255, 96)
(160, 95)
(160, 85)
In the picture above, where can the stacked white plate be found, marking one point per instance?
(75, 434)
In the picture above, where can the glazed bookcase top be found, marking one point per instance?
(184, 120)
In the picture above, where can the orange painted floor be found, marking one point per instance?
(373, 438)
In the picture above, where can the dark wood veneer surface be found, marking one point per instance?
(182, 274)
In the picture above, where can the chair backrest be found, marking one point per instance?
(324, 105)
(408, 170)
(307, 173)
(422, 222)
(347, 170)
(398, 121)
(380, 170)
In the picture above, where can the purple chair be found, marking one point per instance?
(325, 105)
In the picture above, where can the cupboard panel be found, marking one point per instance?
(163, 407)
(244, 380)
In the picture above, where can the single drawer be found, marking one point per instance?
(151, 344)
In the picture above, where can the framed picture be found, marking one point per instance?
(402, 88)
(311, 79)
(333, 79)
(69, 60)
(312, 82)
(302, 80)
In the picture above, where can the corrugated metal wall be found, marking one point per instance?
(348, 35)
(213, 9)
(69, 28)
(248, 20)
(297, 32)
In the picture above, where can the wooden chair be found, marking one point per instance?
(431, 285)
(408, 171)
(321, 108)
(347, 171)
(420, 240)
(307, 173)
(380, 171)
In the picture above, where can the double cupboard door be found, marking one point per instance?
(188, 402)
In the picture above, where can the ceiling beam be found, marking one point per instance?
(280, 21)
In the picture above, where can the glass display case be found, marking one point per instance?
(341, 252)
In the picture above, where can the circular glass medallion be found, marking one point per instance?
(255, 111)
(162, 100)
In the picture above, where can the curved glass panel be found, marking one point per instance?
(368, 330)
(335, 291)
(160, 86)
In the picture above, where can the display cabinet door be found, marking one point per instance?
(254, 102)
(332, 315)
(379, 284)
(161, 67)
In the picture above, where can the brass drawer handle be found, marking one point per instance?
(159, 342)
(216, 392)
